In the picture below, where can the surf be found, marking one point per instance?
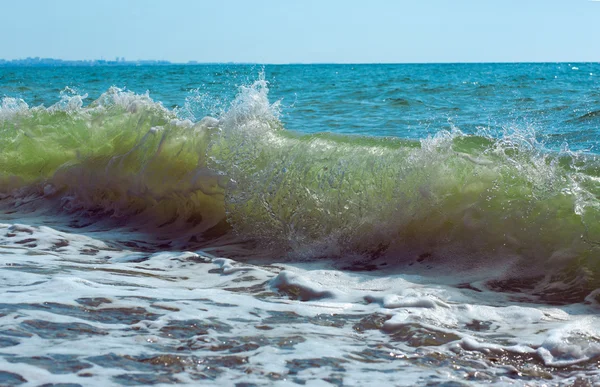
(500, 207)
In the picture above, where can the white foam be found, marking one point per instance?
(318, 300)
(12, 107)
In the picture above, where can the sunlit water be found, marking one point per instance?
(314, 225)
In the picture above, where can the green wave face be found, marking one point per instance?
(468, 201)
(122, 155)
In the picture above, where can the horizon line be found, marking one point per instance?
(159, 62)
(49, 62)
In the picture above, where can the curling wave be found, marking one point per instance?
(472, 202)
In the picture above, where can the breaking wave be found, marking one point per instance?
(472, 202)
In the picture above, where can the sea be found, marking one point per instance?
(317, 225)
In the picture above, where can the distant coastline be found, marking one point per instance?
(121, 61)
(52, 62)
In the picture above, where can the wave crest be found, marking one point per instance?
(475, 203)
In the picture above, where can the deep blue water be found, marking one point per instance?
(560, 102)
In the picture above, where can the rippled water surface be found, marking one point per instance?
(315, 225)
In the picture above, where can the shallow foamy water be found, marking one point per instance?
(80, 308)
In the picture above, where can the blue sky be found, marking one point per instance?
(284, 31)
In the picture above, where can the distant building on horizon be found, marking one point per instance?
(51, 62)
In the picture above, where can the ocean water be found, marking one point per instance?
(340, 225)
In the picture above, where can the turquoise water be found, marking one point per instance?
(558, 100)
(440, 219)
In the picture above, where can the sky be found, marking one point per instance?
(303, 31)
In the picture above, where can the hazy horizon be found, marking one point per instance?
(272, 32)
(194, 62)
